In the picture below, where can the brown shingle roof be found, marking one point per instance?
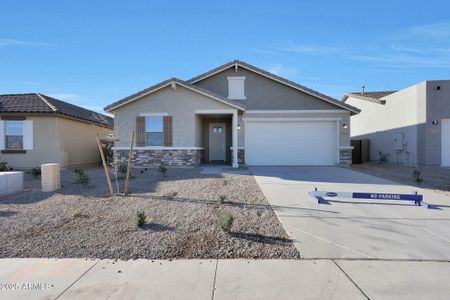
(276, 78)
(167, 82)
(41, 104)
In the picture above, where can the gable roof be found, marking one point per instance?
(168, 82)
(35, 103)
(238, 63)
(376, 97)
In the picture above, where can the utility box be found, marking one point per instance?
(398, 140)
(50, 177)
(361, 151)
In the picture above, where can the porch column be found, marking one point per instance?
(235, 139)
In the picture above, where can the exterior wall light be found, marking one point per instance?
(345, 126)
(239, 127)
(435, 122)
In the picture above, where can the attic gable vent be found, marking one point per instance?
(236, 87)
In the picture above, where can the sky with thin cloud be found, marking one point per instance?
(92, 53)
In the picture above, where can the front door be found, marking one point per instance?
(217, 142)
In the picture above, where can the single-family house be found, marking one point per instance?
(37, 129)
(235, 113)
(409, 126)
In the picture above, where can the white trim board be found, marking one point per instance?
(328, 111)
(214, 111)
(154, 114)
(290, 119)
(157, 148)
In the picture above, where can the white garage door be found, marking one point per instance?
(290, 143)
(445, 142)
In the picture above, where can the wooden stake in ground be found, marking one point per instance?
(105, 167)
(130, 155)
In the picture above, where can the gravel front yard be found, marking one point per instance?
(36, 224)
(434, 177)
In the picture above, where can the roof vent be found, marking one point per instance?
(363, 87)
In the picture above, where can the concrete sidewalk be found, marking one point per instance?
(222, 279)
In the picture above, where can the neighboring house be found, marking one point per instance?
(234, 113)
(412, 125)
(37, 129)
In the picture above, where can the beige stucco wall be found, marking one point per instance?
(180, 103)
(78, 141)
(58, 140)
(401, 114)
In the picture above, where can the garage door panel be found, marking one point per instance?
(290, 143)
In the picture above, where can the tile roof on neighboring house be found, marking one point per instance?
(168, 82)
(376, 97)
(35, 103)
(238, 63)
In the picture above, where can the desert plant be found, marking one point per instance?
(383, 157)
(83, 178)
(139, 218)
(36, 172)
(222, 199)
(4, 166)
(162, 169)
(417, 176)
(74, 212)
(170, 195)
(122, 165)
(226, 221)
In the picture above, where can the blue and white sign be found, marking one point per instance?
(414, 197)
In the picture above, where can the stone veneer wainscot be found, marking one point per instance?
(345, 156)
(154, 157)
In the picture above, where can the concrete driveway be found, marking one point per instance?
(350, 228)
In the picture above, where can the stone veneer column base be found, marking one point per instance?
(241, 156)
(173, 158)
(345, 156)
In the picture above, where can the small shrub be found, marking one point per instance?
(74, 212)
(162, 169)
(36, 172)
(226, 221)
(4, 166)
(383, 157)
(122, 165)
(139, 218)
(417, 176)
(83, 178)
(170, 195)
(222, 199)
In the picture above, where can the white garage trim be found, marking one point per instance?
(303, 111)
(290, 119)
(292, 142)
(445, 142)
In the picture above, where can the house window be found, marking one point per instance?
(154, 131)
(236, 88)
(14, 135)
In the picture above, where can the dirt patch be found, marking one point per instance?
(182, 213)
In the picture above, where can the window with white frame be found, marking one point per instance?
(14, 135)
(154, 131)
(236, 87)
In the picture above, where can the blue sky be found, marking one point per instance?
(92, 53)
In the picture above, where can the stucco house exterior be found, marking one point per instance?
(235, 113)
(411, 125)
(37, 129)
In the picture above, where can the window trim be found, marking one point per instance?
(147, 118)
(5, 135)
(236, 78)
